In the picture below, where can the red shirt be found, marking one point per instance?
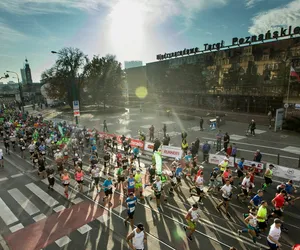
(252, 178)
(279, 201)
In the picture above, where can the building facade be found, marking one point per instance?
(132, 64)
(253, 78)
(26, 73)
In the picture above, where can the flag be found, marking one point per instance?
(294, 74)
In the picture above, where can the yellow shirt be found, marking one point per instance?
(262, 212)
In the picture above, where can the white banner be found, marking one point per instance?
(171, 152)
(258, 165)
(149, 146)
(284, 172)
(217, 159)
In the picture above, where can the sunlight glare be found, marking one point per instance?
(127, 28)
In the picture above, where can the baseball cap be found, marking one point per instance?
(140, 226)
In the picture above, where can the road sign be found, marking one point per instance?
(76, 113)
(75, 105)
(286, 105)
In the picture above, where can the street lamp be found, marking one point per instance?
(20, 87)
(73, 86)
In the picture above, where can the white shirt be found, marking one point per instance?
(95, 172)
(246, 183)
(158, 185)
(194, 214)
(274, 233)
(199, 182)
(1, 155)
(138, 239)
(31, 148)
(226, 191)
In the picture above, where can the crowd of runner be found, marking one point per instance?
(45, 142)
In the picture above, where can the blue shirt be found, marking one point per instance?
(42, 147)
(241, 165)
(94, 148)
(131, 183)
(131, 204)
(188, 158)
(107, 184)
(178, 171)
(136, 151)
(288, 188)
(257, 200)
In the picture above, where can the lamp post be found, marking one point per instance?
(20, 87)
(73, 87)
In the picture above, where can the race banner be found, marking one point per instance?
(217, 159)
(171, 152)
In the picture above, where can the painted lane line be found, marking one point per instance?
(23, 201)
(84, 229)
(4, 179)
(59, 208)
(46, 198)
(16, 227)
(6, 214)
(16, 175)
(63, 241)
(39, 217)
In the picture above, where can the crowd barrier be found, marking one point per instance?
(278, 171)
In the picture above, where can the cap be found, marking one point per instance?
(140, 226)
(277, 221)
(216, 169)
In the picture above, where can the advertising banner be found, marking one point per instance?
(258, 165)
(149, 146)
(217, 159)
(286, 173)
(171, 152)
(279, 119)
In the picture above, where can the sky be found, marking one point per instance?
(129, 29)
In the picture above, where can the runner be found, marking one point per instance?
(268, 177)
(108, 191)
(1, 159)
(274, 235)
(191, 217)
(138, 184)
(95, 173)
(50, 175)
(79, 178)
(251, 222)
(65, 177)
(245, 188)
(137, 239)
(226, 195)
(130, 202)
(157, 186)
(262, 216)
(130, 185)
(199, 184)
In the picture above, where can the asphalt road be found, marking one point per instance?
(214, 230)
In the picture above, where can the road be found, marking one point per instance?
(34, 218)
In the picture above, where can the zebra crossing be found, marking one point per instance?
(21, 207)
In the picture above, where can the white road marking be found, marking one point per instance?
(23, 201)
(258, 131)
(168, 122)
(148, 118)
(291, 149)
(84, 229)
(16, 227)
(46, 198)
(77, 200)
(16, 175)
(6, 214)
(39, 217)
(119, 209)
(63, 241)
(194, 128)
(59, 208)
(4, 179)
(103, 218)
(145, 126)
(173, 133)
(237, 137)
(123, 131)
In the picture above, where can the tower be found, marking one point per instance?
(27, 72)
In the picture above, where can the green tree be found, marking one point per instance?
(66, 77)
(105, 79)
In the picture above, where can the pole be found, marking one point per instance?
(288, 95)
(278, 158)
